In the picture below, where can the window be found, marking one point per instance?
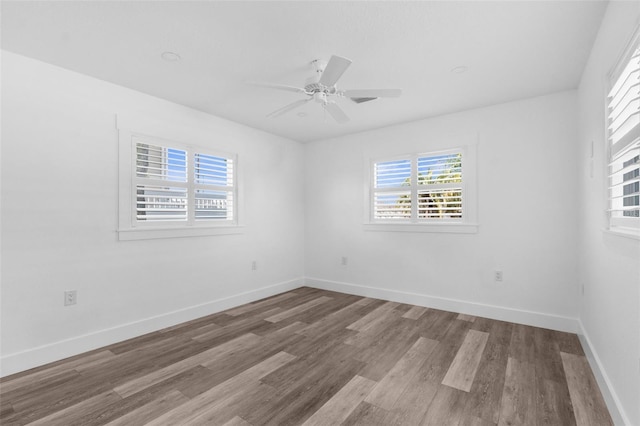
(623, 131)
(181, 185)
(423, 189)
(167, 186)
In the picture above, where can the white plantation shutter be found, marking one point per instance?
(161, 190)
(623, 126)
(390, 203)
(174, 184)
(160, 203)
(214, 183)
(424, 188)
(442, 174)
(440, 204)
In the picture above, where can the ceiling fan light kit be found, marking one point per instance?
(321, 88)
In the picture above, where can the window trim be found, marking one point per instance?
(131, 229)
(621, 226)
(469, 221)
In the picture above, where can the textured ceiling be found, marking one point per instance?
(513, 50)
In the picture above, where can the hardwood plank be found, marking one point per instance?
(389, 389)
(568, 343)
(553, 403)
(547, 355)
(41, 404)
(141, 360)
(484, 324)
(446, 408)
(234, 363)
(43, 384)
(486, 392)
(61, 368)
(338, 319)
(366, 414)
(474, 421)
(144, 414)
(298, 309)
(119, 408)
(522, 346)
(465, 365)
(191, 409)
(312, 354)
(342, 404)
(305, 394)
(376, 319)
(518, 400)
(383, 353)
(588, 405)
(415, 312)
(235, 329)
(69, 415)
(463, 317)
(317, 313)
(223, 409)
(413, 405)
(237, 421)
(435, 323)
(211, 355)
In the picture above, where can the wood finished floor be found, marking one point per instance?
(315, 357)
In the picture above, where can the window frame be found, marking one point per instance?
(466, 224)
(624, 226)
(129, 228)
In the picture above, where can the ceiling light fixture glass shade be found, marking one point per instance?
(170, 56)
(459, 69)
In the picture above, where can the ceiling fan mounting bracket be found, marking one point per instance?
(318, 65)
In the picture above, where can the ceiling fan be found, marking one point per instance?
(321, 88)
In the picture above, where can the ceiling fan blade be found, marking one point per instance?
(336, 112)
(333, 71)
(372, 93)
(277, 86)
(288, 108)
(362, 100)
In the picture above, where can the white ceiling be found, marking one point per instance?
(513, 50)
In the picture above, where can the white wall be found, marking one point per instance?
(59, 220)
(527, 215)
(609, 264)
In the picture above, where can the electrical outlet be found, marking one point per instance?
(70, 297)
(254, 265)
(498, 276)
(344, 261)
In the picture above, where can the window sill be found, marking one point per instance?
(157, 233)
(448, 228)
(633, 234)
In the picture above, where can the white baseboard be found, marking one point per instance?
(21, 361)
(536, 319)
(618, 414)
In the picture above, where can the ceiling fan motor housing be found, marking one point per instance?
(320, 97)
(312, 87)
